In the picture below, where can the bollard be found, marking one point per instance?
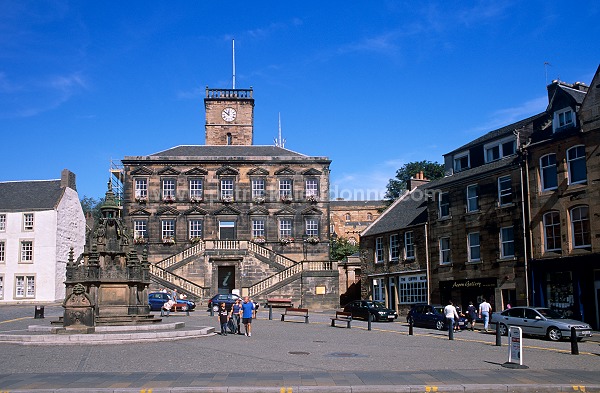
(270, 312)
(39, 312)
(410, 327)
(574, 347)
(369, 322)
(212, 312)
(450, 330)
(498, 336)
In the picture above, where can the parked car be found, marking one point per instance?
(378, 311)
(540, 321)
(157, 299)
(228, 299)
(432, 316)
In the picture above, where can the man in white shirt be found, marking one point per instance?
(484, 312)
(451, 314)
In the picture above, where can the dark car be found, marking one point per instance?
(540, 321)
(157, 299)
(377, 310)
(227, 298)
(432, 316)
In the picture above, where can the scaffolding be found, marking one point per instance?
(117, 175)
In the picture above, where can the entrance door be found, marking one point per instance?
(226, 277)
(226, 230)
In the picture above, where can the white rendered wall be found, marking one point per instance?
(70, 232)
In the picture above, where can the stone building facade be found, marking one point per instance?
(350, 218)
(231, 216)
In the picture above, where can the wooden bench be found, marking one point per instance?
(342, 316)
(295, 312)
(278, 303)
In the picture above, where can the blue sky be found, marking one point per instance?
(370, 84)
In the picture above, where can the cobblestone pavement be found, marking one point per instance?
(291, 357)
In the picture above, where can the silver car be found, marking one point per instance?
(540, 321)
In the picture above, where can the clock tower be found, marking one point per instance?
(229, 116)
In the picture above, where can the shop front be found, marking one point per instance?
(461, 292)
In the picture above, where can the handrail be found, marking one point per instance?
(184, 284)
(271, 255)
(180, 256)
(287, 273)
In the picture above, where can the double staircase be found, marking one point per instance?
(288, 269)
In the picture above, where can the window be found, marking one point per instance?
(504, 191)
(312, 187)
(548, 172)
(461, 162)
(444, 205)
(507, 242)
(576, 162)
(378, 291)
(195, 228)
(348, 217)
(258, 188)
(369, 217)
(229, 138)
(167, 229)
(379, 250)
(2, 251)
(141, 188)
(499, 149)
(285, 228)
(312, 227)
(445, 250)
(28, 221)
(285, 188)
(563, 118)
(474, 247)
(472, 198)
(412, 289)
(140, 228)
(580, 226)
(2, 222)
(258, 228)
(26, 251)
(552, 231)
(409, 247)
(196, 189)
(24, 286)
(226, 189)
(394, 248)
(168, 189)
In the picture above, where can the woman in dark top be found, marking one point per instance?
(223, 317)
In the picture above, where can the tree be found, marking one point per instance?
(92, 205)
(397, 186)
(342, 247)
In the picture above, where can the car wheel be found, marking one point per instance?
(503, 329)
(439, 325)
(184, 308)
(554, 334)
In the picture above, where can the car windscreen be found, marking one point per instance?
(377, 305)
(549, 313)
(440, 310)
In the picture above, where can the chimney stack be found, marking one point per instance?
(67, 179)
(416, 181)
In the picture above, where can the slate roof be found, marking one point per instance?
(498, 133)
(29, 195)
(470, 173)
(226, 150)
(407, 211)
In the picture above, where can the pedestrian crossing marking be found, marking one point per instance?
(146, 391)
(579, 388)
(285, 390)
(431, 388)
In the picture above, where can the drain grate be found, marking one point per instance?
(298, 353)
(346, 355)
(319, 341)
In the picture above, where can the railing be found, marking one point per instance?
(289, 272)
(188, 252)
(186, 285)
(228, 93)
(224, 245)
(271, 255)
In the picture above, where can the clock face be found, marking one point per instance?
(228, 114)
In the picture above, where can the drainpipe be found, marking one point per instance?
(525, 213)
(427, 264)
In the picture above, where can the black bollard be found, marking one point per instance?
(39, 312)
(369, 322)
(410, 327)
(212, 311)
(450, 330)
(270, 312)
(498, 336)
(574, 347)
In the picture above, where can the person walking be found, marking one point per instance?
(484, 312)
(472, 315)
(247, 313)
(223, 317)
(236, 311)
(451, 315)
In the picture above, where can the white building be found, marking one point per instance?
(39, 222)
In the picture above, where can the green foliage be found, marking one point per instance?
(397, 186)
(92, 205)
(341, 248)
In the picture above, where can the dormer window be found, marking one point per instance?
(499, 149)
(461, 162)
(563, 119)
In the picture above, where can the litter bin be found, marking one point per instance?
(39, 312)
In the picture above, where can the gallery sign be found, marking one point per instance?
(467, 284)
